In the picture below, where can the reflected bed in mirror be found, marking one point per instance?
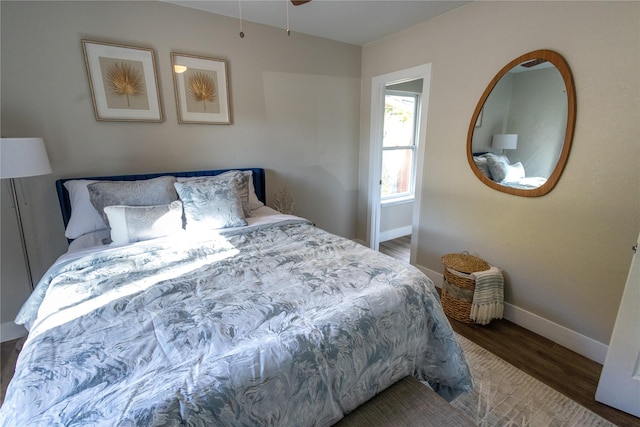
(521, 131)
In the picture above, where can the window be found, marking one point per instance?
(399, 145)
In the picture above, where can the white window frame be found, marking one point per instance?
(410, 195)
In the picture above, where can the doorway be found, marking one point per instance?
(395, 170)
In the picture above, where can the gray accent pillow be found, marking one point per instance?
(211, 203)
(131, 224)
(498, 165)
(144, 192)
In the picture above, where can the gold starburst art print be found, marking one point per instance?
(202, 89)
(123, 82)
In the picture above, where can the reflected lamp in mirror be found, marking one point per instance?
(505, 141)
(20, 158)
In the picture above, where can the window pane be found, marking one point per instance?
(398, 120)
(396, 172)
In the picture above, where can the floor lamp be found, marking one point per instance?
(19, 158)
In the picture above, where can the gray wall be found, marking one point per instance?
(537, 113)
(395, 220)
(295, 103)
(565, 255)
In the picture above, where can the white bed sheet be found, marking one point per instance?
(528, 183)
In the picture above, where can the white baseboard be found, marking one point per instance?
(559, 334)
(395, 233)
(10, 331)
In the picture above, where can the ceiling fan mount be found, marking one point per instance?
(294, 2)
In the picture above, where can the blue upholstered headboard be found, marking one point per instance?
(65, 204)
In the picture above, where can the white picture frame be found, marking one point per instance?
(123, 82)
(201, 87)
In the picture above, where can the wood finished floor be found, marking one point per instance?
(397, 248)
(567, 372)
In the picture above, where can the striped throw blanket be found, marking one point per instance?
(488, 297)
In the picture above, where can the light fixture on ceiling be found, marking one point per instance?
(240, 15)
(288, 27)
(293, 2)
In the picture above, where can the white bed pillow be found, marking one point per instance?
(515, 172)
(84, 217)
(254, 202)
(144, 192)
(130, 224)
(502, 171)
(211, 203)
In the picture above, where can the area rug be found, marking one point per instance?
(503, 395)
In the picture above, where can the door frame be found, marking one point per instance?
(378, 86)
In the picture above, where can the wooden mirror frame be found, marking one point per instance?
(562, 66)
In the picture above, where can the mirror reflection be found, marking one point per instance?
(519, 138)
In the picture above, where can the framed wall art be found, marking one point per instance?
(123, 82)
(202, 89)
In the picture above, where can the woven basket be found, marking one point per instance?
(458, 287)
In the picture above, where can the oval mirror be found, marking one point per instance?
(521, 131)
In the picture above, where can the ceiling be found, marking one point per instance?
(356, 22)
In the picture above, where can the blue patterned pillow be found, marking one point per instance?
(211, 203)
(243, 178)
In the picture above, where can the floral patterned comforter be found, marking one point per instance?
(283, 325)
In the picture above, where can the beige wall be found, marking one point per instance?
(565, 255)
(295, 103)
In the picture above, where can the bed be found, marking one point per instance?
(498, 168)
(266, 320)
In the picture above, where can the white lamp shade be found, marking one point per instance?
(21, 157)
(507, 141)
